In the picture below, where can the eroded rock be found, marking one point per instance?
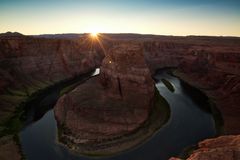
(211, 64)
(106, 108)
(224, 148)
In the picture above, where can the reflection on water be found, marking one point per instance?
(96, 72)
(187, 125)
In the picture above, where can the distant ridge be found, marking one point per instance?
(11, 34)
(59, 36)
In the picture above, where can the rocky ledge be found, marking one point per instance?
(211, 64)
(224, 148)
(111, 112)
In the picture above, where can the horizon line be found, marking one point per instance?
(66, 33)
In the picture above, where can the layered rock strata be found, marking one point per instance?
(224, 148)
(212, 64)
(97, 115)
(29, 64)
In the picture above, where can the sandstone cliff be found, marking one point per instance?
(211, 64)
(224, 148)
(208, 63)
(29, 64)
(124, 73)
(98, 114)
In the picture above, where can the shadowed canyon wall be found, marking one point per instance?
(208, 63)
(97, 115)
(223, 147)
(212, 64)
(29, 64)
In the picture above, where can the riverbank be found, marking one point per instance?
(158, 116)
(14, 123)
(196, 92)
(153, 120)
(11, 126)
(10, 148)
(186, 119)
(100, 115)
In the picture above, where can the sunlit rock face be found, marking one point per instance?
(101, 111)
(224, 148)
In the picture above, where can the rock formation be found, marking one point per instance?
(99, 113)
(9, 148)
(28, 64)
(124, 73)
(212, 64)
(224, 148)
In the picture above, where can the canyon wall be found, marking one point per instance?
(29, 64)
(124, 72)
(210, 64)
(98, 115)
(224, 148)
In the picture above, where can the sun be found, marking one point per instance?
(94, 34)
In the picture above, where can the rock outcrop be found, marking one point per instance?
(29, 64)
(9, 148)
(224, 148)
(97, 115)
(124, 74)
(212, 64)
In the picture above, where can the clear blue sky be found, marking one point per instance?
(165, 17)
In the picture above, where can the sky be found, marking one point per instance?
(161, 17)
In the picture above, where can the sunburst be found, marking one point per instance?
(94, 34)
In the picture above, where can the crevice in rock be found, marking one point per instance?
(119, 87)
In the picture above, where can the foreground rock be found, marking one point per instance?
(9, 149)
(224, 148)
(103, 115)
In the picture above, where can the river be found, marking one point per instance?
(188, 124)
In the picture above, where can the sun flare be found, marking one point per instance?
(94, 34)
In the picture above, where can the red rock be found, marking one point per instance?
(28, 64)
(110, 106)
(224, 148)
(124, 72)
(210, 64)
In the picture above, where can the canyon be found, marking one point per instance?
(29, 64)
(102, 112)
(211, 65)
